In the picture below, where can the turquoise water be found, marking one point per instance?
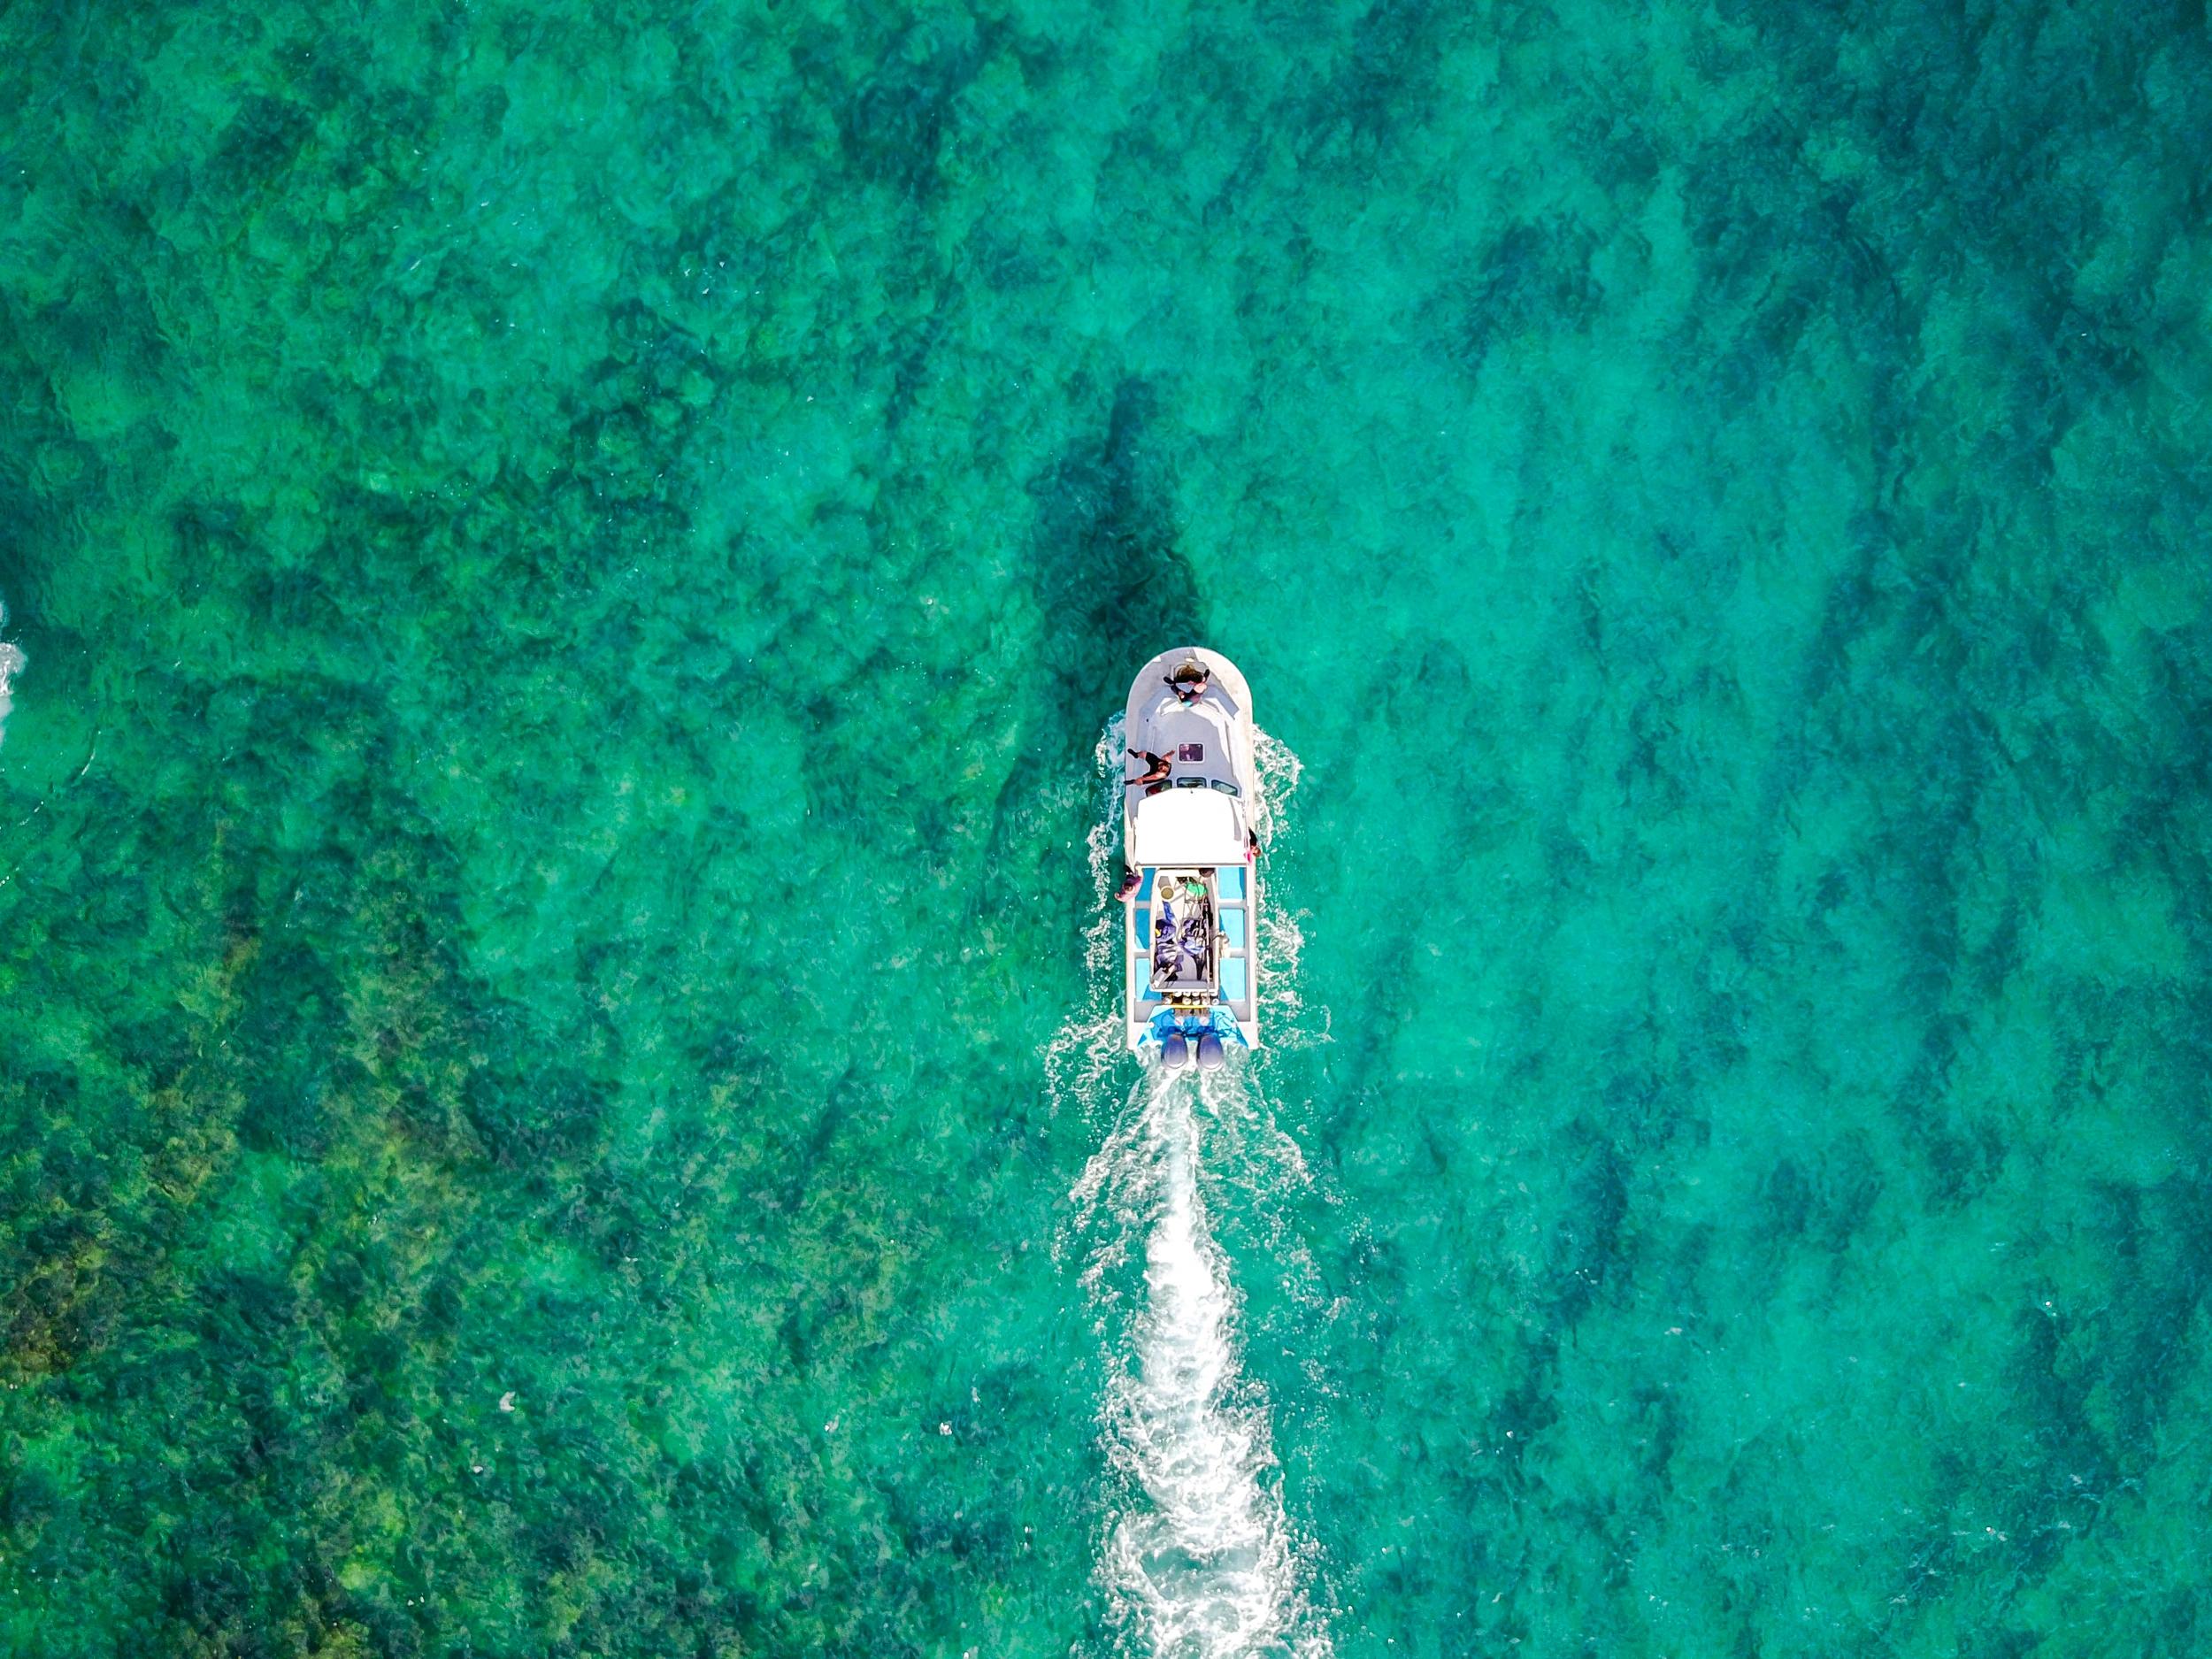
(569, 564)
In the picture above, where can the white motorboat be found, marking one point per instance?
(1191, 843)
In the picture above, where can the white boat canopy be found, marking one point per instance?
(1189, 826)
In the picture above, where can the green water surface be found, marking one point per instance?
(569, 559)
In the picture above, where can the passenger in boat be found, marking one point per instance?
(1164, 965)
(1190, 687)
(1189, 681)
(1182, 933)
(1169, 893)
(1179, 958)
(1163, 936)
(1156, 768)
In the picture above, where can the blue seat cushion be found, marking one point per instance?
(1232, 980)
(1229, 880)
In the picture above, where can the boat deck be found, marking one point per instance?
(1234, 980)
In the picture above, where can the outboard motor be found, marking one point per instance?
(1210, 1055)
(1174, 1051)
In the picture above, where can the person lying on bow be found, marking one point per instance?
(1189, 681)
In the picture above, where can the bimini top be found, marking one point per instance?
(1188, 826)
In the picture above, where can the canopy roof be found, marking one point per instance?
(1189, 826)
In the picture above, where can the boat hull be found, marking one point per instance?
(1191, 929)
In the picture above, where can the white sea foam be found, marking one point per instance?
(1280, 772)
(1102, 940)
(10, 664)
(1199, 1559)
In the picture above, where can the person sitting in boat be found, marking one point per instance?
(1172, 908)
(1165, 934)
(1180, 925)
(1157, 768)
(1190, 691)
(1190, 680)
(1165, 965)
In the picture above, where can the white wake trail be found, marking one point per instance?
(1200, 1559)
(11, 663)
